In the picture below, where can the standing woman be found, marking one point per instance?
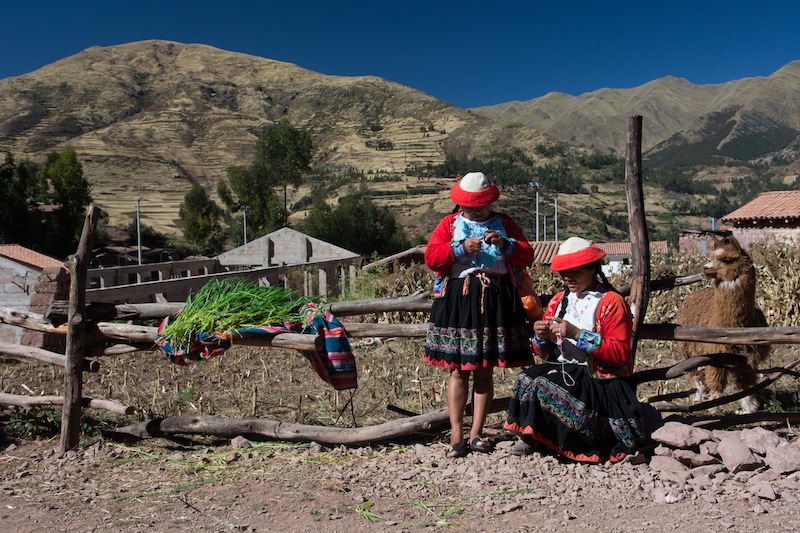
(575, 404)
(477, 320)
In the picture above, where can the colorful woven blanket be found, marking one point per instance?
(335, 363)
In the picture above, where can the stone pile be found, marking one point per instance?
(755, 462)
(753, 471)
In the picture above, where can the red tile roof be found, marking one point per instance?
(625, 248)
(543, 251)
(24, 255)
(768, 206)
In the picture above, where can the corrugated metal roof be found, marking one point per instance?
(29, 257)
(768, 206)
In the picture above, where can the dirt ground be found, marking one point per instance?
(166, 486)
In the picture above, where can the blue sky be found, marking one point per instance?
(469, 53)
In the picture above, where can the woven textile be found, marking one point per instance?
(335, 364)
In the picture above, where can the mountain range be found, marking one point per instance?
(149, 119)
(760, 112)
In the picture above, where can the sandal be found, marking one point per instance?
(479, 445)
(525, 445)
(521, 448)
(456, 450)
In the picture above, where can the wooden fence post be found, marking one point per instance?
(77, 265)
(640, 242)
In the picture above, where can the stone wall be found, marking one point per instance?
(53, 284)
(17, 287)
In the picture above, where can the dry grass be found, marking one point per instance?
(280, 384)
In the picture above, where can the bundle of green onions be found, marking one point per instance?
(230, 304)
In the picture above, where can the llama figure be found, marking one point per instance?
(731, 302)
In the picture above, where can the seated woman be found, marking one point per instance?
(574, 403)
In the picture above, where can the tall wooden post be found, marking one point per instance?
(77, 265)
(640, 242)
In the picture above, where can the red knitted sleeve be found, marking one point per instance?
(439, 255)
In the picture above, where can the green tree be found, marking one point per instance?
(201, 224)
(283, 157)
(71, 193)
(60, 184)
(356, 224)
(151, 237)
(16, 189)
(248, 191)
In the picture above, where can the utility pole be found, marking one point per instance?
(555, 199)
(537, 185)
(138, 230)
(244, 213)
(544, 225)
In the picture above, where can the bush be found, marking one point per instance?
(356, 224)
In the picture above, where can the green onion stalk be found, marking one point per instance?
(222, 306)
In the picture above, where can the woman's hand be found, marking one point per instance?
(493, 237)
(473, 245)
(564, 329)
(542, 328)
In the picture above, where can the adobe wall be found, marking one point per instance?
(696, 243)
(747, 237)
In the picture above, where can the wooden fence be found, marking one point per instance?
(175, 281)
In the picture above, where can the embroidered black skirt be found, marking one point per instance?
(478, 323)
(576, 415)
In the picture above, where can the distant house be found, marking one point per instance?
(771, 216)
(321, 267)
(284, 247)
(20, 269)
(124, 255)
(700, 242)
(619, 254)
(543, 251)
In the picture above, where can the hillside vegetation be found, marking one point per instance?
(152, 119)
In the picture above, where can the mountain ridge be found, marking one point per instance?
(152, 118)
(158, 116)
(669, 105)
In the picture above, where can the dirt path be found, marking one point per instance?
(161, 486)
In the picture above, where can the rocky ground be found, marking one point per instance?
(743, 480)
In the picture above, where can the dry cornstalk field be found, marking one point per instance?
(279, 384)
